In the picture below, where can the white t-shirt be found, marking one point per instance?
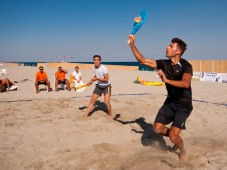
(76, 75)
(99, 73)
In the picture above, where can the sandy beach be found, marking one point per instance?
(47, 130)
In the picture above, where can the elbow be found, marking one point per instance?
(106, 80)
(142, 61)
(187, 85)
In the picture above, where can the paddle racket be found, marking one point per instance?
(80, 87)
(138, 22)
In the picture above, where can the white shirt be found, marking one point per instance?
(76, 76)
(99, 73)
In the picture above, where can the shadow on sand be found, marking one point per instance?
(97, 106)
(149, 137)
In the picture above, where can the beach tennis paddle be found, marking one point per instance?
(138, 22)
(80, 87)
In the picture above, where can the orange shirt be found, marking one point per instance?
(41, 76)
(60, 75)
(3, 81)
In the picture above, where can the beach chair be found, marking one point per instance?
(43, 87)
(72, 83)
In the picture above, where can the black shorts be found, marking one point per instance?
(42, 82)
(174, 112)
(99, 90)
(62, 81)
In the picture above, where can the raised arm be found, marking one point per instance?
(140, 58)
(66, 72)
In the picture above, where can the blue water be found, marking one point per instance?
(141, 67)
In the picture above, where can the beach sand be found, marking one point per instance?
(47, 130)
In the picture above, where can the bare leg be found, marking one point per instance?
(94, 97)
(36, 87)
(68, 85)
(48, 85)
(161, 128)
(174, 135)
(107, 102)
(7, 83)
(56, 85)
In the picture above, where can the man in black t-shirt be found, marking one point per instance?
(177, 74)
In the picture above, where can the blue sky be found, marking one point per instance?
(32, 30)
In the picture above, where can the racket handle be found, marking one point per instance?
(129, 38)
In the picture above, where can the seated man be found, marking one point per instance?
(41, 78)
(60, 78)
(5, 85)
(76, 75)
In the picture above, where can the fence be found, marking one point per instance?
(217, 66)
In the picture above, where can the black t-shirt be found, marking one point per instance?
(175, 72)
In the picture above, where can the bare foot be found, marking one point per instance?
(183, 155)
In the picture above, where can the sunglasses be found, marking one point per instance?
(41, 69)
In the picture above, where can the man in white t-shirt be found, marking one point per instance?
(76, 75)
(103, 85)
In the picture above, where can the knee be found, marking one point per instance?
(173, 137)
(107, 102)
(92, 101)
(157, 129)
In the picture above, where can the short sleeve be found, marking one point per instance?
(160, 64)
(46, 75)
(188, 68)
(105, 70)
